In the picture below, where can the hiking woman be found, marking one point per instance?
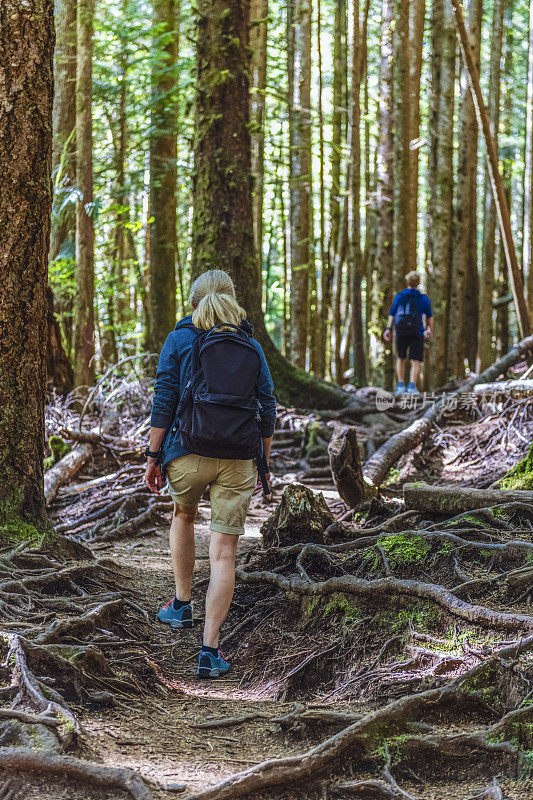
(212, 368)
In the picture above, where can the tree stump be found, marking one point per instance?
(345, 463)
(301, 516)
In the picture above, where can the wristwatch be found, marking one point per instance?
(149, 454)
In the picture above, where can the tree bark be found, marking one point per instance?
(300, 150)
(258, 43)
(488, 251)
(163, 175)
(26, 93)
(64, 126)
(402, 137)
(345, 463)
(338, 119)
(84, 301)
(416, 38)
(441, 186)
(463, 298)
(495, 177)
(58, 368)
(222, 219)
(509, 156)
(359, 355)
(528, 176)
(384, 260)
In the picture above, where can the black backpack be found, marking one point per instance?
(408, 319)
(219, 411)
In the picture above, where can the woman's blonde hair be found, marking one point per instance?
(213, 300)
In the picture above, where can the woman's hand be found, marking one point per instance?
(152, 476)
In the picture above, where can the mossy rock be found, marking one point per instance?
(521, 475)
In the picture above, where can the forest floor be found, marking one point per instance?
(304, 666)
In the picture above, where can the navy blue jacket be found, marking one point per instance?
(171, 378)
(422, 301)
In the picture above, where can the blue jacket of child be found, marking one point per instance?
(171, 378)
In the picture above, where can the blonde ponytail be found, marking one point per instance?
(213, 300)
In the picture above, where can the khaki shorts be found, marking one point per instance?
(232, 484)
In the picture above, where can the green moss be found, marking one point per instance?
(423, 616)
(336, 604)
(521, 475)
(526, 765)
(58, 448)
(404, 548)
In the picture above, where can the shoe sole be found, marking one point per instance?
(204, 672)
(174, 623)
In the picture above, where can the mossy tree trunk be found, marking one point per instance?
(222, 233)
(163, 176)
(84, 302)
(26, 53)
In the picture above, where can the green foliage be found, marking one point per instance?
(58, 448)
(422, 616)
(404, 548)
(521, 475)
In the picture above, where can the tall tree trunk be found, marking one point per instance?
(528, 184)
(416, 37)
(463, 299)
(503, 339)
(26, 92)
(163, 175)
(300, 147)
(258, 43)
(334, 289)
(64, 125)
(324, 261)
(384, 260)
(223, 220)
(441, 185)
(358, 37)
(488, 252)
(84, 301)
(402, 138)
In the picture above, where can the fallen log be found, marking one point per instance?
(69, 466)
(345, 464)
(378, 465)
(457, 499)
(514, 388)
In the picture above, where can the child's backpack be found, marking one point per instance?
(219, 410)
(408, 319)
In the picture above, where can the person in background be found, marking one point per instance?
(412, 317)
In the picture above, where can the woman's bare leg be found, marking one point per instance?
(182, 549)
(222, 551)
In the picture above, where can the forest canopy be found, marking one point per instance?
(367, 161)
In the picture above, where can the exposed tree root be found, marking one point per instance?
(359, 736)
(25, 759)
(388, 587)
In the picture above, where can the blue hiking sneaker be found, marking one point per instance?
(176, 618)
(400, 389)
(210, 666)
(411, 388)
